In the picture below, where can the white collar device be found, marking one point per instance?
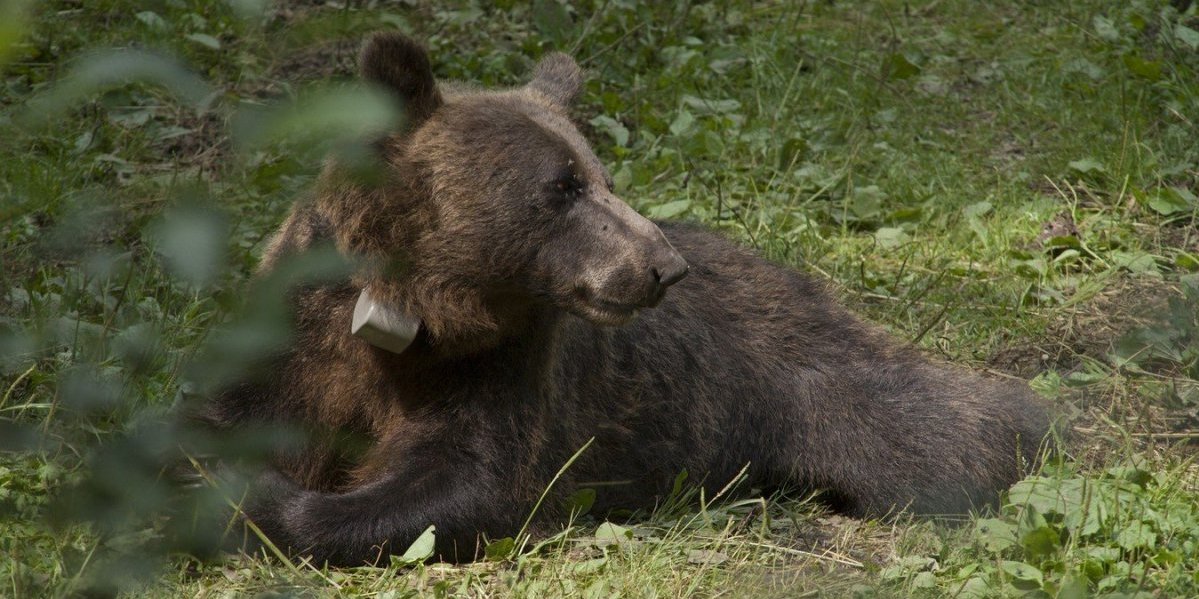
(382, 326)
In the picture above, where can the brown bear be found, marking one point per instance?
(545, 322)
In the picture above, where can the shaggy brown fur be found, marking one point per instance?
(496, 225)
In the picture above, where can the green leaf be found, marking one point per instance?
(1103, 554)
(86, 389)
(866, 202)
(995, 535)
(613, 127)
(18, 299)
(682, 122)
(1024, 576)
(705, 556)
(248, 9)
(897, 66)
(1134, 262)
(396, 20)
(106, 69)
(679, 480)
(1030, 519)
(1064, 242)
(137, 345)
(912, 214)
(422, 548)
(321, 116)
(205, 40)
(977, 209)
(1094, 568)
(1084, 67)
(1073, 586)
(791, 153)
(1105, 29)
(131, 118)
(1170, 200)
(1186, 194)
(924, 580)
(191, 239)
(1145, 69)
(1083, 378)
(1186, 35)
(613, 532)
(705, 144)
(1045, 494)
(552, 20)
(1066, 256)
(1040, 542)
(975, 587)
(1032, 269)
(1131, 473)
(1186, 261)
(622, 178)
(907, 566)
(580, 501)
(13, 15)
(890, 238)
(500, 549)
(1137, 21)
(1137, 535)
(707, 106)
(1167, 557)
(591, 566)
(1087, 166)
(151, 19)
(669, 209)
(597, 590)
(974, 215)
(84, 141)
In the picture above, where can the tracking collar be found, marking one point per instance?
(382, 326)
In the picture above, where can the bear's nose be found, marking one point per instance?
(672, 272)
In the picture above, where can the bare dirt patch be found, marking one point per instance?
(334, 59)
(1087, 329)
(1110, 408)
(202, 142)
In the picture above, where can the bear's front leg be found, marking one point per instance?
(384, 517)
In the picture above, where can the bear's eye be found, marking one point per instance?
(567, 188)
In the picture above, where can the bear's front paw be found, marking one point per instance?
(264, 505)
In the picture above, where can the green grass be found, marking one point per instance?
(911, 153)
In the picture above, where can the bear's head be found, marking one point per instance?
(493, 206)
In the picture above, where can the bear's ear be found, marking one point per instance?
(401, 66)
(558, 78)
